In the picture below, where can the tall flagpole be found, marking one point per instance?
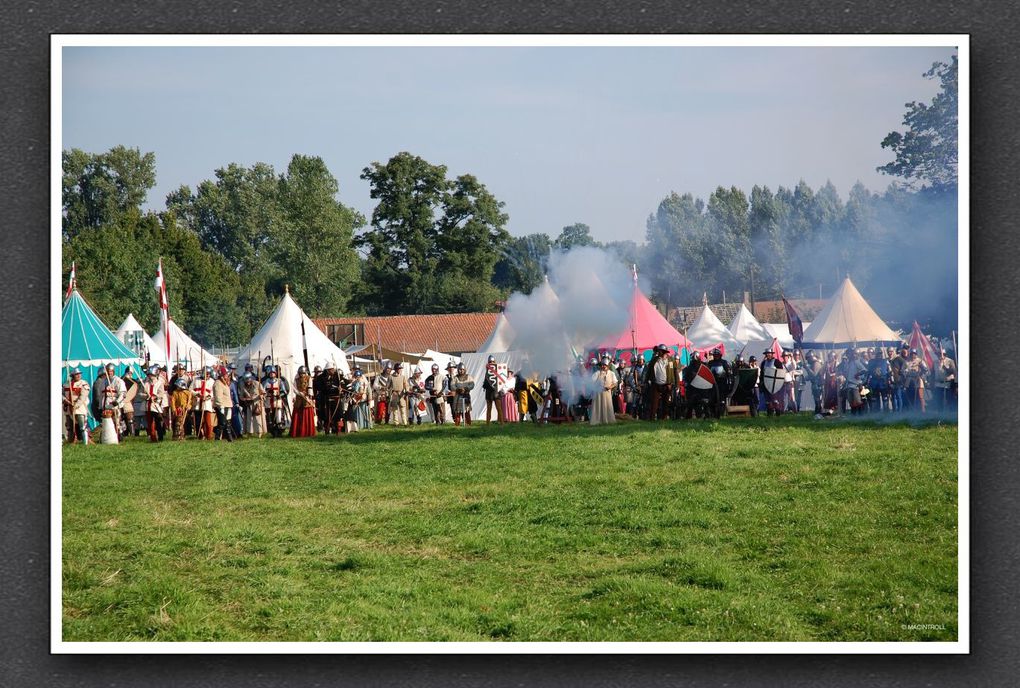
(164, 310)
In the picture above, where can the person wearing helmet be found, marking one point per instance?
(152, 391)
(381, 391)
(275, 396)
(416, 406)
(604, 383)
(109, 392)
(813, 375)
(180, 406)
(461, 385)
(657, 377)
(330, 399)
(397, 393)
(77, 393)
(914, 372)
(434, 391)
(490, 385)
(202, 390)
(321, 420)
(252, 398)
(724, 380)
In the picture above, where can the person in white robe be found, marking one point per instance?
(604, 383)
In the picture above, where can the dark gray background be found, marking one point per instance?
(24, 285)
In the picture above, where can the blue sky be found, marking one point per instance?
(562, 135)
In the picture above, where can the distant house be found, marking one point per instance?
(449, 333)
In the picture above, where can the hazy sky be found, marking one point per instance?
(562, 135)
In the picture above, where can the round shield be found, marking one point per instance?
(703, 379)
(773, 378)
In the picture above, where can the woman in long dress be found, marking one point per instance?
(604, 382)
(358, 415)
(303, 423)
(508, 397)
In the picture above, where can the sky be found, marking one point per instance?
(598, 135)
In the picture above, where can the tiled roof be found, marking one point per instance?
(451, 333)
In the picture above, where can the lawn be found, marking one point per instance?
(744, 529)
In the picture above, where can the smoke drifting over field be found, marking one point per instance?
(584, 300)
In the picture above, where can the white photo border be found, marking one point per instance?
(959, 42)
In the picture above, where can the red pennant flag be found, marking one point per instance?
(924, 347)
(793, 321)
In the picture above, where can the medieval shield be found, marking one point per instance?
(703, 379)
(773, 378)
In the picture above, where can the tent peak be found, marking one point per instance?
(286, 288)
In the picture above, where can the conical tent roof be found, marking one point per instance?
(745, 327)
(280, 337)
(708, 330)
(87, 344)
(848, 320)
(501, 338)
(184, 349)
(647, 328)
(135, 338)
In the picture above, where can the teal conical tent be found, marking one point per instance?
(87, 344)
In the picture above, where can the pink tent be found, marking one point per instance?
(647, 329)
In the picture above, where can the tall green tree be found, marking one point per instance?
(927, 152)
(237, 215)
(577, 234)
(433, 242)
(523, 263)
(99, 188)
(677, 263)
(314, 248)
(402, 245)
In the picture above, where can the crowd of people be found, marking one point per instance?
(219, 402)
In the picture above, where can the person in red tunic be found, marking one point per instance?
(303, 422)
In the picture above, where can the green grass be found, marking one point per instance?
(745, 529)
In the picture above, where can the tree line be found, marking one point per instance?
(438, 243)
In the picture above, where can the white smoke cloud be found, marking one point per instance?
(584, 300)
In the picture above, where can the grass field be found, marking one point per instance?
(745, 529)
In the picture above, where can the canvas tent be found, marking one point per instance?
(475, 365)
(501, 338)
(87, 344)
(647, 328)
(847, 320)
(183, 349)
(280, 336)
(137, 339)
(745, 327)
(708, 332)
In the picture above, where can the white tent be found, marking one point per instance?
(708, 330)
(501, 338)
(137, 339)
(183, 349)
(781, 331)
(440, 359)
(848, 320)
(475, 365)
(280, 337)
(745, 327)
